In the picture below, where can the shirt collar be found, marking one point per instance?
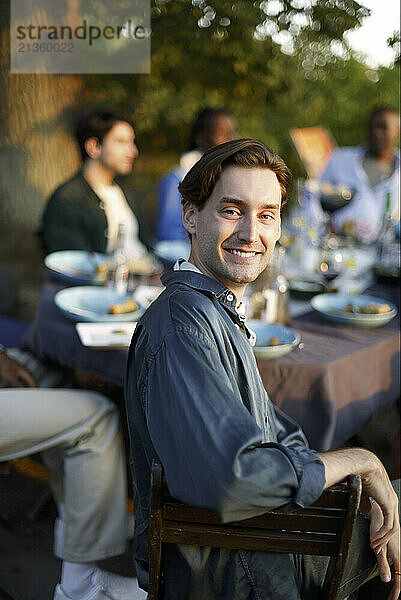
(185, 265)
(186, 273)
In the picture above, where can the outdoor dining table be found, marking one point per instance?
(333, 384)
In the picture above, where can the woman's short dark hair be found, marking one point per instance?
(97, 124)
(205, 125)
(199, 182)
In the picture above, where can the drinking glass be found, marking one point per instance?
(330, 265)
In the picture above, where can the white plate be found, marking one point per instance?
(288, 337)
(91, 303)
(106, 335)
(76, 266)
(331, 307)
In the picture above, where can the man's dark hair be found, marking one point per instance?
(199, 182)
(377, 110)
(97, 124)
(205, 124)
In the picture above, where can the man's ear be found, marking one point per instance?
(93, 147)
(189, 212)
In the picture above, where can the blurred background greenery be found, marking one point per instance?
(277, 65)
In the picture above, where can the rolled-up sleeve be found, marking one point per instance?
(210, 445)
(309, 467)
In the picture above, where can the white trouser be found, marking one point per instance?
(80, 434)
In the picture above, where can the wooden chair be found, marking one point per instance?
(323, 529)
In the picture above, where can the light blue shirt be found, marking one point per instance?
(367, 207)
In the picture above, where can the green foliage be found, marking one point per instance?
(276, 65)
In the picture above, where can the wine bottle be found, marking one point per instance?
(120, 276)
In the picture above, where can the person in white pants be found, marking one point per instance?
(78, 434)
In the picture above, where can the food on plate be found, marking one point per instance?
(375, 309)
(274, 341)
(367, 309)
(349, 308)
(120, 308)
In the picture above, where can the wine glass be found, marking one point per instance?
(333, 198)
(330, 265)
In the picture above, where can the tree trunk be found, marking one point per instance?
(37, 153)
(37, 149)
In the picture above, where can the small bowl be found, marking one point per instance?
(264, 332)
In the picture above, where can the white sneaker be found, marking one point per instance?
(94, 594)
(116, 587)
(107, 586)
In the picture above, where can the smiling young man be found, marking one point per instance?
(196, 401)
(85, 212)
(234, 235)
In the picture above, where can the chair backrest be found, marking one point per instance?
(323, 529)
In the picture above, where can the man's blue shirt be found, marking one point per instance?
(196, 401)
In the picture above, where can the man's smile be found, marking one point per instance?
(242, 253)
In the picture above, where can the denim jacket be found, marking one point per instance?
(196, 401)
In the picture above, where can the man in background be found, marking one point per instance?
(86, 211)
(372, 173)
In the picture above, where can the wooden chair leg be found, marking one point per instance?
(155, 544)
(336, 566)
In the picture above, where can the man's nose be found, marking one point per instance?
(134, 151)
(248, 229)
